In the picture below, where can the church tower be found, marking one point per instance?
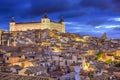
(12, 24)
(104, 36)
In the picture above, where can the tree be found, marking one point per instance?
(99, 54)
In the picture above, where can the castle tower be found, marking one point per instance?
(45, 22)
(45, 18)
(12, 24)
(63, 24)
(61, 20)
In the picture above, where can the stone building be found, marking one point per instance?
(45, 23)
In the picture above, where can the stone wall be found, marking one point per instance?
(26, 26)
(30, 26)
(57, 26)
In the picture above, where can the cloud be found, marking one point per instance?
(114, 19)
(111, 26)
(108, 26)
(69, 23)
(97, 27)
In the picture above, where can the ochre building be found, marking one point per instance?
(45, 23)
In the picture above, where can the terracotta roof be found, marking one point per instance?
(35, 69)
(6, 76)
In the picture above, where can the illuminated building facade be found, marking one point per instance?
(45, 23)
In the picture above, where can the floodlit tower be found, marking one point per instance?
(12, 24)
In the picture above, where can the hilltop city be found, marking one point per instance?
(45, 51)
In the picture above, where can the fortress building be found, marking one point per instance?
(45, 23)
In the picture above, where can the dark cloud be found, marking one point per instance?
(116, 1)
(12, 8)
(116, 5)
(108, 5)
(100, 4)
(73, 14)
(40, 6)
(5, 7)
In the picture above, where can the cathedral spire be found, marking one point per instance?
(12, 20)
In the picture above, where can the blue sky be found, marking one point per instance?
(86, 17)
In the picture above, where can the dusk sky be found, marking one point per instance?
(86, 17)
